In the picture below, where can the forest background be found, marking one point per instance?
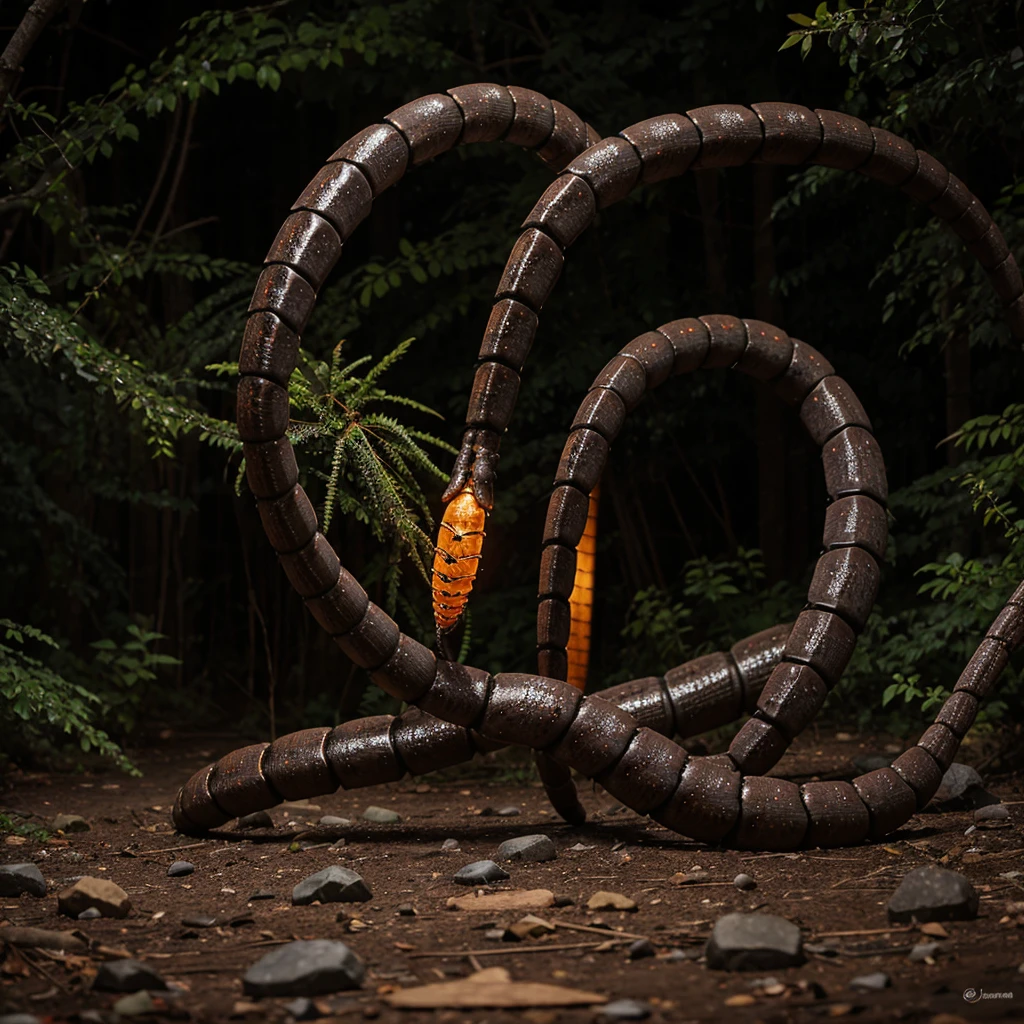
(151, 151)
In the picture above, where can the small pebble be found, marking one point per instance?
(923, 951)
(871, 982)
(625, 1009)
(610, 901)
(744, 882)
(126, 976)
(302, 1008)
(332, 885)
(406, 910)
(68, 823)
(258, 819)
(992, 812)
(528, 848)
(89, 914)
(641, 949)
(335, 821)
(450, 845)
(381, 815)
(480, 872)
(180, 868)
(508, 812)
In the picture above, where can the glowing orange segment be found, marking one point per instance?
(460, 540)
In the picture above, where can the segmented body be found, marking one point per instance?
(460, 540)
(625, 745)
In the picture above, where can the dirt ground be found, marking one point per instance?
(825, 892)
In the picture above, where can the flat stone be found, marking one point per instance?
(68, 823)
(754, 942)
(303, 1009)
(528, 848)
(744, 882)
(480, 872)
(258, 819)
(89, 914)
(180, 868)
(334, 820)
(127, 976)
(381, 815)
(923, 951)
(625, 1009)
(109, 899)
(992, 812)
(304, 968)
(871, 982)
(641, 949)
(508, 812)
(199, 921)
(499, 902)
(332, 885)
(137, 1004)
(961, 789)
(450, 844)
(531, 927)
(610, 901)
(931, 893)
(18, 878)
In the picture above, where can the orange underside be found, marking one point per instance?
(460, 541)
(581, 601)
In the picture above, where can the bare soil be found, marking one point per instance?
(826, 893)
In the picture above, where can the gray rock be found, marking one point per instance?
(992, 812)
(332, 819)
(381, 815)
(258, 819)
(480, 872)
(932, 893)
(406, 910)
(922, 951)
(753, 942)
(137, 1004)
(744, 883)
(199, 921)
(18, 878)
(302, 1009)
(527, 848)
(68, 823)
(332, 885)
(89, 914)
(625, 1009)
(961, 788)
(450, 845)
(305, 968)
(127, 976)
(180, 868)
(508, 812)
(641, 949)
(871, 982)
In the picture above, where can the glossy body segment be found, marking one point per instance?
(581, 600)
(709, 800)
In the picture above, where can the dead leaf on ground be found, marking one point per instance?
(492, 988)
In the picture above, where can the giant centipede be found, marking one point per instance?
(622, 739)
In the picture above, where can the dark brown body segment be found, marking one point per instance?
(702, 797)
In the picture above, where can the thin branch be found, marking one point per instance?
(179, 170)
(36, 19)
